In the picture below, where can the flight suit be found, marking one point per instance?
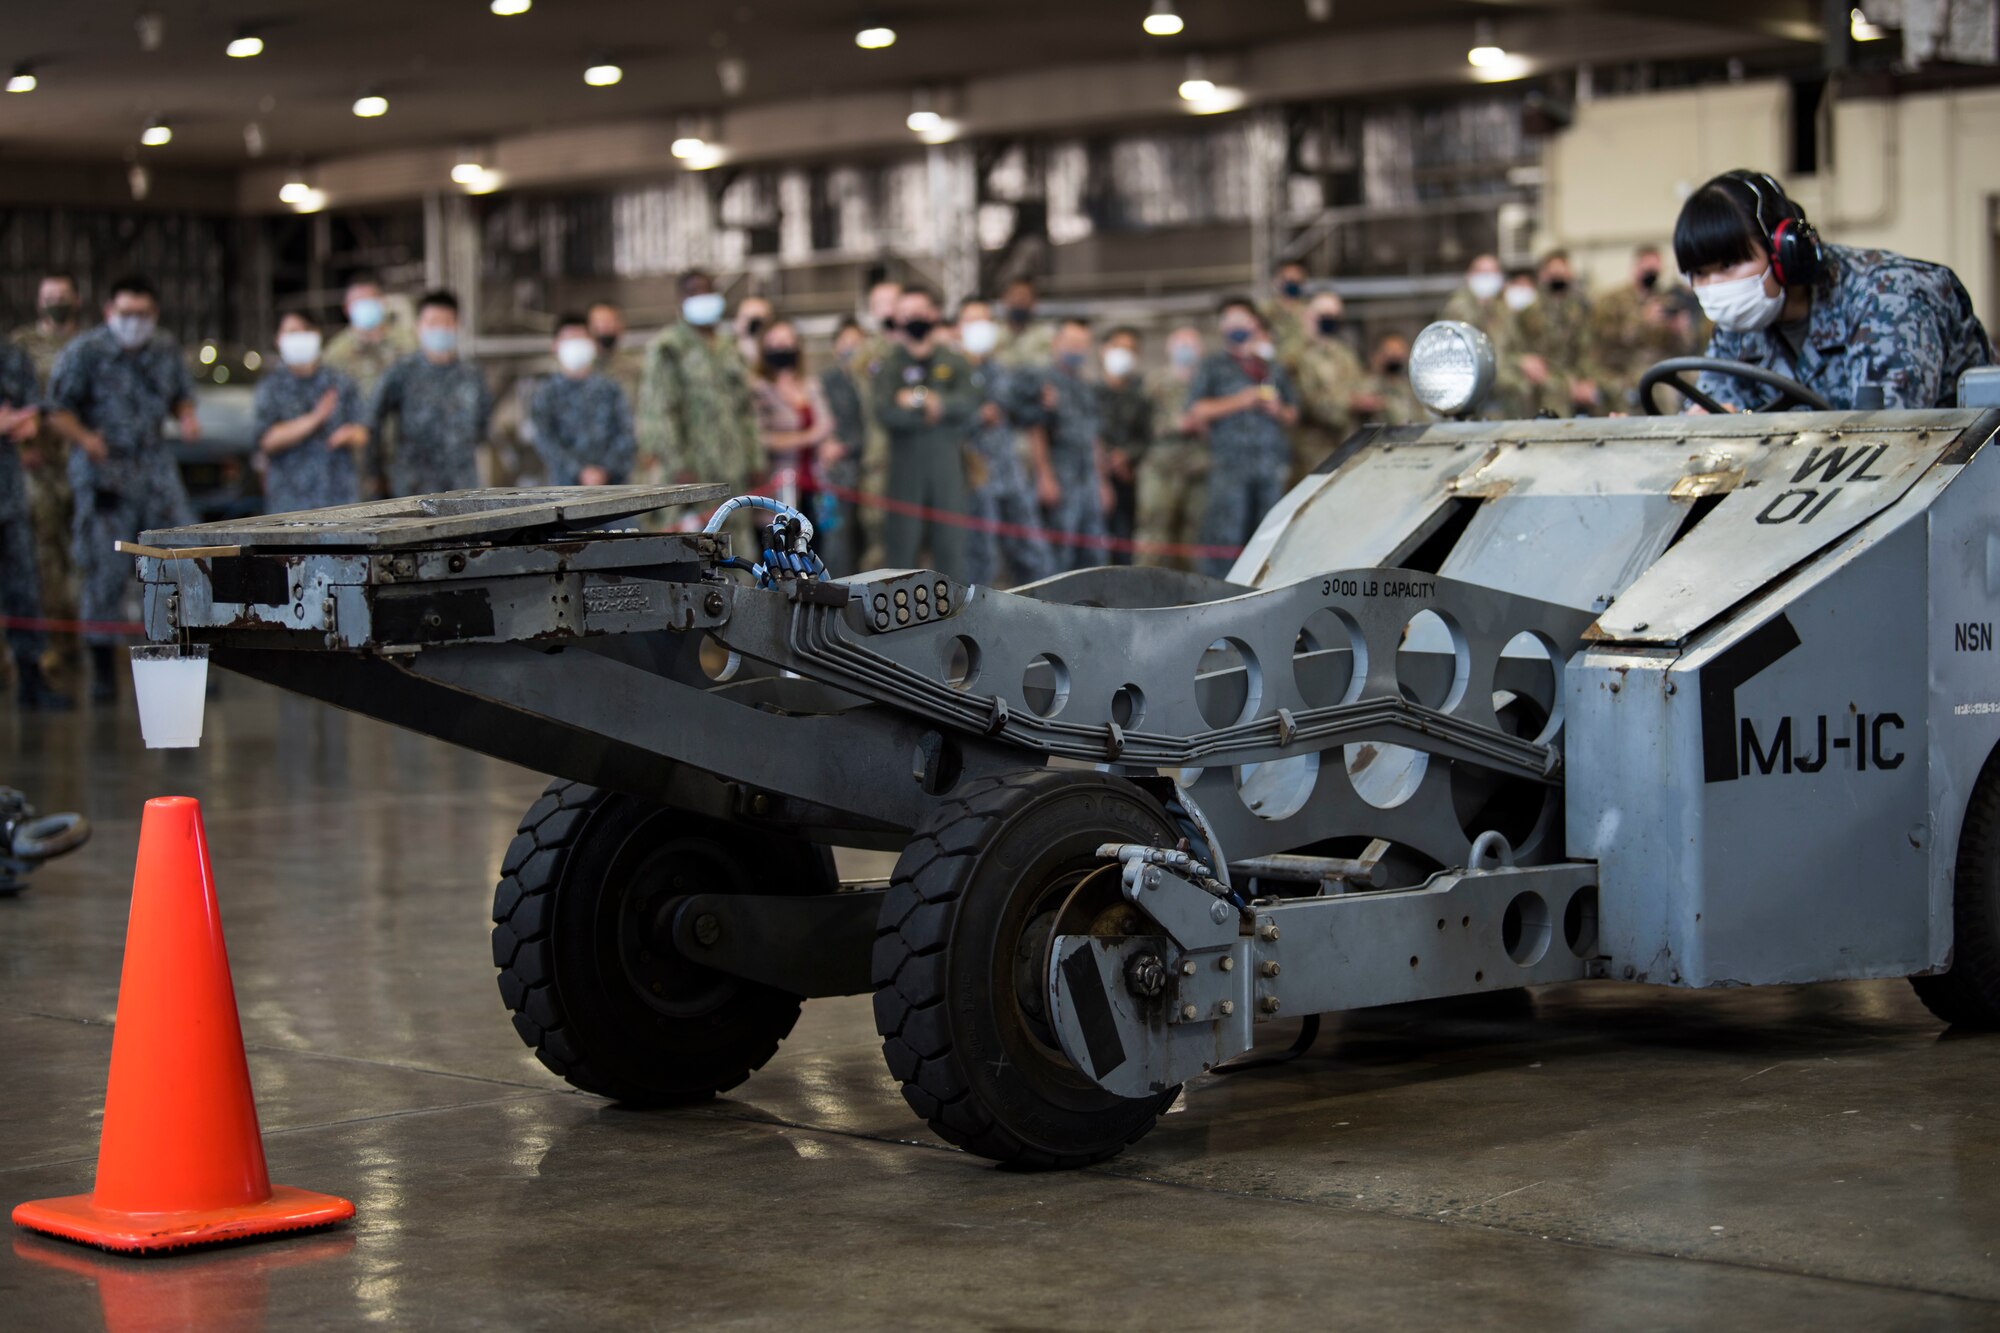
(311, 474)
(125, 397)
(926, 457)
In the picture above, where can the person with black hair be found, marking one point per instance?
(308, 423)
(926, 400)
(110, 395)
(1835, 318)
(581, 419)
(441, 405)
(696, 419)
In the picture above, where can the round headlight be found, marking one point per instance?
(1451, 367)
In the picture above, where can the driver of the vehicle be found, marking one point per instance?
(1832, 317)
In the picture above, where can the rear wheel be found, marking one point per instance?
(597, 989)
(962, 956)
(1969, 994)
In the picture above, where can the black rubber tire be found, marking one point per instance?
(946, 961)
(1968, 995)
(578, 866)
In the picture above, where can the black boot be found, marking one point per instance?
(103, 673)
(36, 694)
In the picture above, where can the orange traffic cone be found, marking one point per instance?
(180, 1161)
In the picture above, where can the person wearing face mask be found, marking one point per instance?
(753, 315)
(111, 392)
(308, 423)
(622, 365)
(581, 420)
(373, 341)
(1285, 314)
(1024, 340)
(925, 399)
(696, 419)
(1126, 412)
(1634, 325)
(1331, 394)
(1248, 405)
(793, 416)
(44, 463)
(1483, 303)
(1000, 491)
(1172, 494)
(439, 403)
(1388, 384)
(1553, 343)
(20, 584)
(1833, 317)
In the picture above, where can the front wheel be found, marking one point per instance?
(962, 957)
(1969, 994)
(598, 990)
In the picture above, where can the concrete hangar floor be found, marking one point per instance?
(1589, 1157)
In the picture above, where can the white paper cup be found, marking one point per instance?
(171, 685)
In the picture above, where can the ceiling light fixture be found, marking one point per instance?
(244, 45)
(732, 74)
(603, 76)
(370, 105)
(485, 181)
(689, 145)
(22, 80)
(1861, 30)
(294, 191)
(157, 134)
(312, 201)
(466, 173)
(1319, 11)
(507, 9)
(1163, 21)
(1485, 51)
(1196, 86)
(923, 117)
(875, 38)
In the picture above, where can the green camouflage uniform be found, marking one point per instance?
(1513, 398)
(624, 367)
(49, 499)
(365, 361)
(697, 420)
(1329, 374)
(1286, 321)
(872, 464)
(1399, 401)
(1557, 329)
(1173, 492)
(1125, 414)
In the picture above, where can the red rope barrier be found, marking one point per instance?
(1052, 536)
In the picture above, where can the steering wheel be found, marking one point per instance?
(1675, 370)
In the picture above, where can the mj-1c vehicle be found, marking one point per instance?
(1683, 700)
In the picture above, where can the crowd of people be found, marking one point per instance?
(987, 441)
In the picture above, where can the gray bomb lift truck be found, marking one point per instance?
(1681, 700)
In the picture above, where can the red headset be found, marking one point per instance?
(1797, 259)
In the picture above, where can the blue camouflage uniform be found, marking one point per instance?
(125, 397)
(1877, 318)
(441, 413)
(580, 423)
(1075, 425)
(1007, 494)
(1250, 451)
(20, 590)
(311, 474)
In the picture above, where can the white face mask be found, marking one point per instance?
(1118, 362)
(575, 354)
(1485, 285)
(1740, 304)
(131, 331)
(979, 336)
(702, 309)
(1520, 297)
(299, 348)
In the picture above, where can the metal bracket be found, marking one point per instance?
(814, 945)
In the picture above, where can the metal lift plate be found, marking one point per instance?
(492, 514)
